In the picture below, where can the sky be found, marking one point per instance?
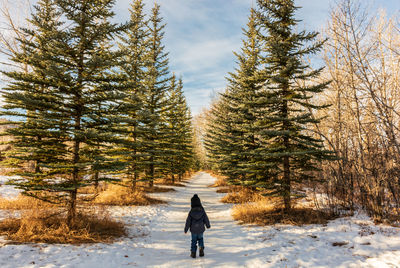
(201, 36)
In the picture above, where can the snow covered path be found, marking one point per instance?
(157, 240)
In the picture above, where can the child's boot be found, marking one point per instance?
(193, 254)
(201, 252)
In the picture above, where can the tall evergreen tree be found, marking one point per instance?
(76, 91)
(30, 136)
(292, 150)
(133, 45)
(236, 114)
(155, 101)
(217, 139)
(243, 96)
(187, 157)
(180, 143)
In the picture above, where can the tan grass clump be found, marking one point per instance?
(23, 202)
(49, 226)
(156, 189)
(92, 189)
(116, 195)
(221, 181)
(187, 176)
(224, 190)
(239, 195)
(269, 213)
(169, 182)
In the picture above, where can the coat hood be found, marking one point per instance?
(197, 212)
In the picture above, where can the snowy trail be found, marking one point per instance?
(156, 239)
(223, 241)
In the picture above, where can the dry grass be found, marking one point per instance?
(239, 195)
(189, 175)
(220, 181)
(179, 183)
(224, 190)
(23, 202)
(116, 195)
(42, 226)
(4, 171)
(92, 189)
(169, 183)
(156, 189)
(269, 213)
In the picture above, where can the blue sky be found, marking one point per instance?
(202, 34)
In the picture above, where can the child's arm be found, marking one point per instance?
(188, 223)
(206, 221)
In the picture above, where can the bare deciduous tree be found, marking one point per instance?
(363, 60)
(13, 17)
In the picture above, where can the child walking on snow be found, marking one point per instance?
(195, 221)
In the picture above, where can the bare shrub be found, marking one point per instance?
(361, 56)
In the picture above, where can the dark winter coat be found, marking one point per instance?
(196, 220)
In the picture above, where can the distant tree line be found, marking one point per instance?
(95, 101)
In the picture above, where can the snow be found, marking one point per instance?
(8, 191)
(156, 239)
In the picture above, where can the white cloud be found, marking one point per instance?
(205, 55)
(201, 35)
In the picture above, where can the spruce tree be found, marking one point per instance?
(76, 91)
(243, 97)
(133, 45)
(290, 148)
(180, 143)
(187, 158)
(218, 138)
(232, 125)
(155, 100)
(29, 103)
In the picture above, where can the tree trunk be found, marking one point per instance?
(133, 182)
(286, 184)
(286, 164)
(75, 172)
(96, 180)
(71, 216)
(151, 181)
(134, 167)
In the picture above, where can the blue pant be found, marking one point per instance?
(197, 238)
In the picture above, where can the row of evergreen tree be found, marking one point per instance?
(259, 130)
(96, 103)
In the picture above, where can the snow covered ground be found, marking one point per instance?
(8, 191)
(157, 240)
